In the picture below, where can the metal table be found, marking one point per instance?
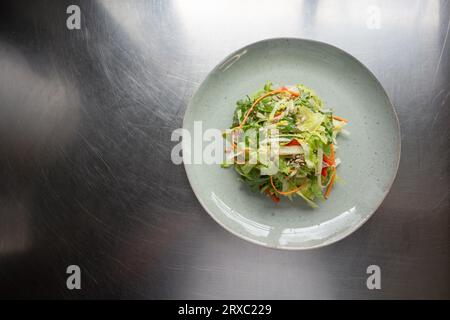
(86, 118)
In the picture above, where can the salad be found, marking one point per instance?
(282, 142)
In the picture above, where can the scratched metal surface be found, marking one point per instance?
(86, 177)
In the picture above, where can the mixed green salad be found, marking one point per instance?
(282, 142)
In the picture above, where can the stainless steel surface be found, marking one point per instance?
(86, 178)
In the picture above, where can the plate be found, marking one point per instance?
(370, 154)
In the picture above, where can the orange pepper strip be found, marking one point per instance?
(327, 193)
(324, 172)
(330, 160)
(340, 118)
(293, 142)
(273, 197)
(332, 153)
(284, 193)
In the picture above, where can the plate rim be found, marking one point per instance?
(339, 236)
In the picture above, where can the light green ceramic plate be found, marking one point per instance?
(370, 155)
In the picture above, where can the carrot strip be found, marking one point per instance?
(327, 193)
(340, 118)
(284, 193)
(295, 94)
(291, 92)
(262, 97)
